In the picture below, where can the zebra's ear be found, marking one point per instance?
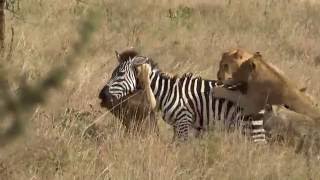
(118, 56)
(139, 60)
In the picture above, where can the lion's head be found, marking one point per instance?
(231, 61)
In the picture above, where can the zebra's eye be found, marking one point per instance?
(121, 73)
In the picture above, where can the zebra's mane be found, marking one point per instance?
(131, 53)
(183, 77)
(153, 64)
(169, 76)
(190, 76)
(128, 54)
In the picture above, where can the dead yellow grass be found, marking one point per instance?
(181, 36)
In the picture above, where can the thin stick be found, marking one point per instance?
(104, 114)
(9, 55)
(104, 171)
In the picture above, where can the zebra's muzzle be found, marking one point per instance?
(107, 100)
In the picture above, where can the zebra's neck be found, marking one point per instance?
(161, 86)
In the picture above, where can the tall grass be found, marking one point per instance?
(181, 36)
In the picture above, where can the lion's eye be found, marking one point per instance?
(287, 106)
(225, 67)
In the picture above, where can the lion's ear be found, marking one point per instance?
(257, 55)
(303, 89)
(225, 55)
(253, 66)
(249, 65)
(238, 54)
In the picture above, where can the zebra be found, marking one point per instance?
(186, 103)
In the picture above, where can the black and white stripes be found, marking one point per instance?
(186, 103)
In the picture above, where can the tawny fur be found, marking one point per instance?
(144, 72)
(137, 112)
(266, 85)
(290, 127)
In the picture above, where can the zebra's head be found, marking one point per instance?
(124, 81)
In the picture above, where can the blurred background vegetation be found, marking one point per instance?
(17, 105)
(47, 47)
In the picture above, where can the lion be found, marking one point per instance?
(136, 112)
(265, 83)
(289, 127)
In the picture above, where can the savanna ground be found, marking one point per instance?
(180, 36)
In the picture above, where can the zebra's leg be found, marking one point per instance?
(181, 128)
(258, 133)
(254, 129)
(180, 133)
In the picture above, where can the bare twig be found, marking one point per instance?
(2, 27)
(104, 114)
(19, 107)
(106, 170)
(9, 55)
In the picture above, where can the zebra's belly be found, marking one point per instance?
(177, 112)
(199, 118)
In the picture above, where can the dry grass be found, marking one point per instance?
(181, 36)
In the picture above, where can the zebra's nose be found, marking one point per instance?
(106, 97)
(104, 92)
